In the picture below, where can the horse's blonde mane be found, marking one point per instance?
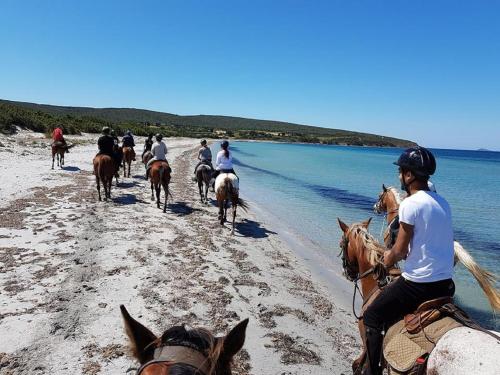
(396, 194)
(375, 249)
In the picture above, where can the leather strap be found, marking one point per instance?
(179, 355)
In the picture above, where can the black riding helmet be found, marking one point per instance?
(224, 144)
(203, 141)
(418, 160)
(159, 137)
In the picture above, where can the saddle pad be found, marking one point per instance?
(401, 348)
(220, 178)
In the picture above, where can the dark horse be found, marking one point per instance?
(104, 169)
(203, 176)
(160, 176)
(59, 149)
(181, 350)
(128, 156)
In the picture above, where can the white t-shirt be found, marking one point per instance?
(159, 151)
(431, 251)
(222, 162)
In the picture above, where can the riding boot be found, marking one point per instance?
(374, 339)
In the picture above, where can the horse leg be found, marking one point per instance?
(226, 202)
(53, 157)
(234, 216)
(221, 212)
(165, 190)
(152, 191)
(109, 187)
(207, 185)
(98, 186)
(200, 188)
(157, 189)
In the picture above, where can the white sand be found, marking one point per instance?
(67, 261)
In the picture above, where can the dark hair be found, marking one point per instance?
(418, 177)
(226, 151)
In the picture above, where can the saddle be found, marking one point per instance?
(427, 313)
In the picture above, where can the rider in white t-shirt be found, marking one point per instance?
(425, 240)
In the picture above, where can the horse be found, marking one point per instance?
(389, 201)
(128, 156)
(203, 176)
(104, 169)
(160, 176)
(227, 189)
(59, 149)
(183, 350)
(360, 254)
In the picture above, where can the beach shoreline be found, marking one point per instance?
(71, 260)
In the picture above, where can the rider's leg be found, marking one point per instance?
(197, 165)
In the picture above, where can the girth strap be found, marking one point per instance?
(179, 355)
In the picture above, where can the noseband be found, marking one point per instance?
(179, 355)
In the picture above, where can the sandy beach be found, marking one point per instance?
(67, 261)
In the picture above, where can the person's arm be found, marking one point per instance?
(400, 249)
(199, 153)
(217, 161)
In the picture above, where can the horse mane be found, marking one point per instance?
(375, 250)
(396, 193)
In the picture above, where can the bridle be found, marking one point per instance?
(170, 355)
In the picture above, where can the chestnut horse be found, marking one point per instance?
(227, 190)
(58, 150)
(203, 176)
(128, 156)
(160, 176)
(104, 169)
(360, 253)
(389, 201)
(182, 350)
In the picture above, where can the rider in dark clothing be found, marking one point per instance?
(147, 145)
(128, 140)
(106, 144)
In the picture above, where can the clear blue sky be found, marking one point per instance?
(428, 71)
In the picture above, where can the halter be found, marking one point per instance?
(179, 355)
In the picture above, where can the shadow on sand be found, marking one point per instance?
(250, 228)
(140, 176)
(181, 208)
(126, 199)
(127, 184)
(71, 169)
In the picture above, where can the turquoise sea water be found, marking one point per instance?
(306, 187)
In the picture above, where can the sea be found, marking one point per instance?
(303, 188)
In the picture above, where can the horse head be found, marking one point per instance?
(354, 260)
(388, 201)
(188, 350)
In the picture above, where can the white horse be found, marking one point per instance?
(227, 189)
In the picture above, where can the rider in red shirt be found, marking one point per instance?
(57, 136)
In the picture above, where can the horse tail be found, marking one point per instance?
(162, 173)
(485, 278)
(231, 191)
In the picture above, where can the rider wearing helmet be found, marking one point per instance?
(204, 156)
(148, 144)
(128, 141)
(223, 162)
(107, 145)
(159, 152)
(425, 240)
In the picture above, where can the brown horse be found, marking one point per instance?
(203, 176)
(58, 150)
(104, 169)
(227, 190)
(181, 350)
(128, 156)
(361, 253)
(389, 201)
(160, 176)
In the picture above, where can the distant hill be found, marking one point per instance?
(43, 117)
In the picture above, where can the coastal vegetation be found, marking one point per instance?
(75, 120)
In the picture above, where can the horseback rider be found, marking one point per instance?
(57, 136)
(425, 240)
(223, 162)
(159, 152)
(204, 156)
(128, 141)
(106, 145)
(147, 145)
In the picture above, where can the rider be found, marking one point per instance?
(128, 141)
(425, 240)
(147, 145)
(204, 156)
(106, 144)
(223, 162)
(159, 152)
(57, 136)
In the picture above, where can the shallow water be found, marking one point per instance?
(306, 187)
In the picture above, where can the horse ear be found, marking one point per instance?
(234, 341)
(343, 226)
(140, 337)
(366, 223)
(384, 188)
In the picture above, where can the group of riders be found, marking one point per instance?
(425, 238)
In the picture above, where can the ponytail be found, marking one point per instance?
(226, 153)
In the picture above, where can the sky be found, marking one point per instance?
(428, 71)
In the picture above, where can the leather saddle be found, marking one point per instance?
(427, 313)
